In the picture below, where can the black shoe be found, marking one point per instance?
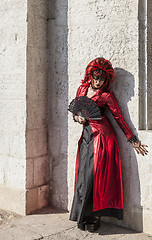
(81, 226)
(92, 224)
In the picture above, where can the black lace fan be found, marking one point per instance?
(85, 107)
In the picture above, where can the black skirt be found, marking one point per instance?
(82, 205)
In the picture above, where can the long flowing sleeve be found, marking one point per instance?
(114, 108)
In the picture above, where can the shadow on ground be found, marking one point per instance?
(48, 210)
(112, 229)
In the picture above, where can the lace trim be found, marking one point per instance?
(133, 139)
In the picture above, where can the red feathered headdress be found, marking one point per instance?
(97, 64)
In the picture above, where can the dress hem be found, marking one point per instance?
(98, 209)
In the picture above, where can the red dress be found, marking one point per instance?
(103, 153)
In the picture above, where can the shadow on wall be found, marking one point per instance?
(58, 103)
(123, 88)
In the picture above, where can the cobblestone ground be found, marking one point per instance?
(55, 226)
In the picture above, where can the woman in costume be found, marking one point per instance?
(98, 179)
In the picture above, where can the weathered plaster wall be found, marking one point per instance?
(13, 41)
(110, 29)
(37, 174)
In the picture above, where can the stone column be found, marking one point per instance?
(24, 167)
(58, 102)
(13, 41)
(37, 173)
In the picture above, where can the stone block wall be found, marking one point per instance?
(24, 166)
(12, 104)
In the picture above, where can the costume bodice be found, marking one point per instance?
(107, 99)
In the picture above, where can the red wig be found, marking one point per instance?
(99, 64)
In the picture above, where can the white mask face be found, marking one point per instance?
(97, 83)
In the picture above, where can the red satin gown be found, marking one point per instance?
(98, 178)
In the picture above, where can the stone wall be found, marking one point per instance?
(24, 166)
(13, 42)
(43, 58)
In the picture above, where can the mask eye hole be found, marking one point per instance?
(100, 79)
